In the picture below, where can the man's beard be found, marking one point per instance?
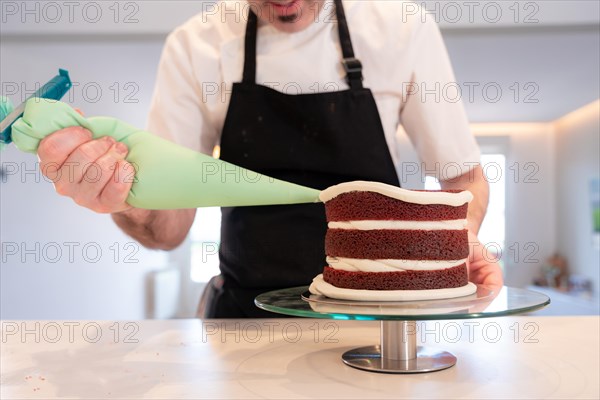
(288, 18)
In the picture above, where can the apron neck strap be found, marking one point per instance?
(351, 64)
(250, 49)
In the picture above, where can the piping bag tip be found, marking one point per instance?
(54, 89)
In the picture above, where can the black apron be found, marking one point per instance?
(316, 140)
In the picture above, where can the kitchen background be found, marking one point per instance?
(529, 75)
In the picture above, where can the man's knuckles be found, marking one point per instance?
(61, 143)
(89, 152)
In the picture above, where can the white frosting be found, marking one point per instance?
(390, 265)
(367, 225)
(319, 286)
(409, 196)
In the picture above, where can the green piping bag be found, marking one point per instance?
(166, 176)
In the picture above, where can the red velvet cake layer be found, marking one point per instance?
(356, 206)
(397, 244)
(400, 280)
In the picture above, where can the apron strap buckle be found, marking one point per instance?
(353, 68)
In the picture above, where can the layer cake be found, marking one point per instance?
(384, 243)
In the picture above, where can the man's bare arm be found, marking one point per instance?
(156, 229)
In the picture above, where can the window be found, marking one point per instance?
(493, 229)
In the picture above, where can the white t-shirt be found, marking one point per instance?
(405, 64)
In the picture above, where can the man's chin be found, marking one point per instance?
(288, 19)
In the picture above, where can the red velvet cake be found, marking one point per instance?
(385, 243)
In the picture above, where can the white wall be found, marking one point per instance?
(525, 75)
(577, 162)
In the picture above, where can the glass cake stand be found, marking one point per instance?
(397, 351)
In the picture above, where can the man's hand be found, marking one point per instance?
(93, 173)
(483, 269)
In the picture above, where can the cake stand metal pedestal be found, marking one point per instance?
(397, 351)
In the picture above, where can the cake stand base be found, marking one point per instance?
(398, 352)
(369, 359)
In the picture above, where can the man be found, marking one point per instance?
(309, 91)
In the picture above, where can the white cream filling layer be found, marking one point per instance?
(390, 265)
(409, 196)
(367, 225)
(319, 286)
